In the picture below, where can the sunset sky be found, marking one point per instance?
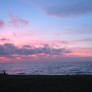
(45, 30)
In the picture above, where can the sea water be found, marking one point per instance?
(47, 68)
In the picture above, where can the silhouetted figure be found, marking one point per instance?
(4, 72)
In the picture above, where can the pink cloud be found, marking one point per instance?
(17, 21)
(81, 52)
(86, 40)
(1, 23)
(31, 52)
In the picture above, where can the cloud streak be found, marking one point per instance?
(4, 39)
(14, 21)
(17, 21)
(64, 8)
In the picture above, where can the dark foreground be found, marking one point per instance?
(28, 83)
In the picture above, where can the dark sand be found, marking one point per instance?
(38, 83)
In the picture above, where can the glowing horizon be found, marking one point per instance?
(45, 31)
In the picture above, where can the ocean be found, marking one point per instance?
(47, 68)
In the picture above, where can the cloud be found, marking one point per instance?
(85, 40)
(8, 50)
(14, 21)
(64, 8)
(17, 21)
(1, 23)
(4, 39)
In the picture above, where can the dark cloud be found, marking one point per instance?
(64, 8)
(27, 46)
(7, 50)
(4, 39)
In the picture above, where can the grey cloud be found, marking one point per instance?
(64, 8)
(4, 39)
(7, 50)
(27, 46)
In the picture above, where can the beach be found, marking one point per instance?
(45, 83)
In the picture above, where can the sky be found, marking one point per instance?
(45, 30)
